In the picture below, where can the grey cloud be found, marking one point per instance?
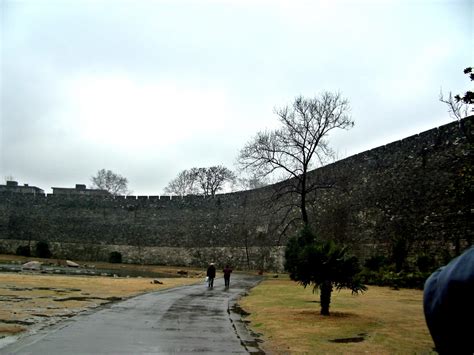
(260, 55)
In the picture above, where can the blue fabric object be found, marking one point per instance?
(448, 302)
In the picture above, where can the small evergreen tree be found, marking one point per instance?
(42, 250)
(115, 257)
(23, 250)
(325, 265)
(376, 262)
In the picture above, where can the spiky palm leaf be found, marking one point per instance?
(323, 265)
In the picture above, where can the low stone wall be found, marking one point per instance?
(252, 258)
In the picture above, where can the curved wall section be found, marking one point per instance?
(415, 191)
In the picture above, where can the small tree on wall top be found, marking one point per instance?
(460, 106)
(468, 97)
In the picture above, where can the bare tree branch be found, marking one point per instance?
(111, 182)
(456, 109)
(183, 184)
(300, 144)
(205, 181)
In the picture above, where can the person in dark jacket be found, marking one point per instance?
(448, 303)
(227, 271)
(211, 274)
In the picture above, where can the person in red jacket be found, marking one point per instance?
(227, 271)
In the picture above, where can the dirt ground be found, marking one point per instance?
(30, 300)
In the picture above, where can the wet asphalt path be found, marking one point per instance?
(188, 319)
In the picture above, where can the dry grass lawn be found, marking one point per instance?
(380, 321)
(172, 270)
(32, 300)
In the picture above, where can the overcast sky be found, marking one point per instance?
(149, 88)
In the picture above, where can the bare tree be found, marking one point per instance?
(213, 179)
(456, 109)
(183, 184)
(250, 182)
(460, 106)
(205, 181)
(111, 182)
(299, 145)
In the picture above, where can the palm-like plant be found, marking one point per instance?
(324, 265)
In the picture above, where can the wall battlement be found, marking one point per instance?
(150, 198)
(424, 140)
(417, 189)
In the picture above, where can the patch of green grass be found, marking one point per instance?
(380, 321)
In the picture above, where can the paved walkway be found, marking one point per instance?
(188, 319)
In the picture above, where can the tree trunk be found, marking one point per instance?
(304, 213)
(325, 297)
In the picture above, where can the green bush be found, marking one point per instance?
(42, 250)
(374, 263)
(23, 250)
(388, 277)
(399, 254)
(115, 257)
(425, 263)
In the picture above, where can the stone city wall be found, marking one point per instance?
(415, 193)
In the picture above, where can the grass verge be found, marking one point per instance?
(135, 268)
(380, 321)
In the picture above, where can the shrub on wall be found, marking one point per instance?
(115, 257)
(42, 250)
(23, 250)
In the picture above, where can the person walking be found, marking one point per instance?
(227, 271)
(211, 274)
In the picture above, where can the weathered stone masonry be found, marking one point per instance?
(416, 191)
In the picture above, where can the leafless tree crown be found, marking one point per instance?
(460, 106)
(183, 184)
(299, 145)
(301, 141)
(457, 109)
(205, 181)
(110, 181)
